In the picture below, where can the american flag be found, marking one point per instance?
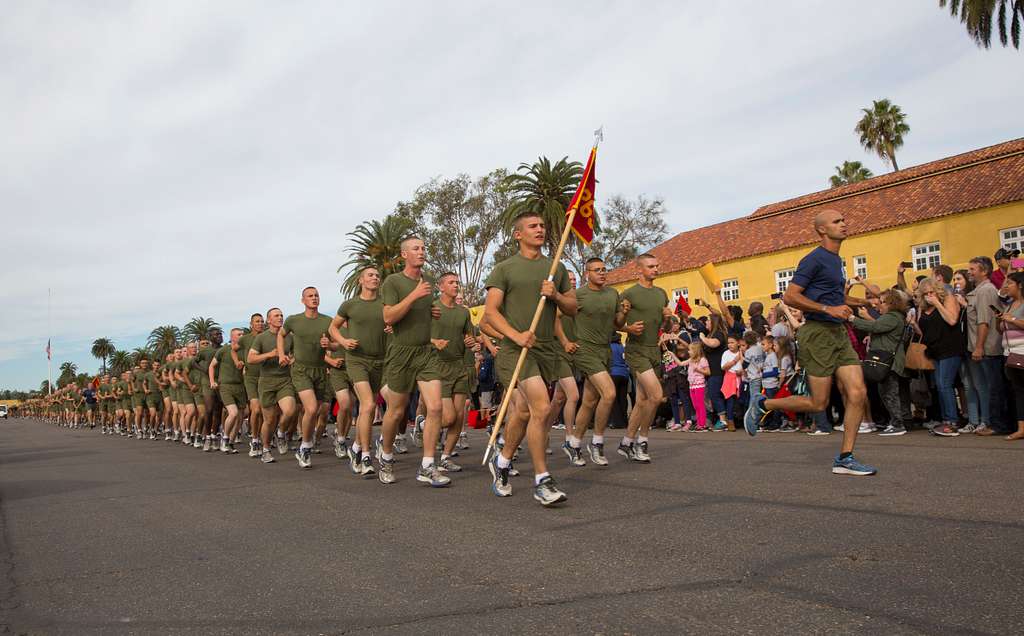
(47, 348)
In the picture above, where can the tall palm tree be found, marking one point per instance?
(120, 361)
(164, 340)
(378, 244)
(545, 189)
(44, 388)
(849, 172)
(977, 16)
(67, 373)
(102, 348)
(881, 130)
(199, 328)
(140, 353)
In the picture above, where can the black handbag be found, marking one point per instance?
(877, 364)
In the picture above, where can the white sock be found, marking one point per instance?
(365, 455)
(503, 463)
(641, 439)
(539, 478)
(626, 441)
(444, 456)
(306, 445)
(574, 441)
(356, 448)
(426, 462)
(597, 439)
(387, 456)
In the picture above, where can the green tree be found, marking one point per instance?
(881, 130)
(102, 348)
(44, 388)
(67, 373)
(164, 340)
(627, 226)
(140, 353)
(199, 328)
(545, 189)
(849, 172)
(460, 219)
(120, 361)
(979, 17)
(377, 244)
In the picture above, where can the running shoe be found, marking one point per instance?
(947, 430)
(267, 457)
(417, 431)
(399, 445)
(387, 471)
(787, 427)
(559, 426)
(892, 431)
(967, 428)
(448, 466)
(339, 448)
(224, 445)
(755, 415)
(231, 449)
(354, 462)
(817, 433)
(254, 448)
(433, 476)
(197, 441)
(463, 443)
(547, 493)
(640, 453)
(575, 455)
(305, 457)
(207, 444)
(282, 444)
(626, 450)
(719, 426)
(851, 466)
(500, 485)
(866, 427)
(841, 428)
(365, 467)
(597, 454)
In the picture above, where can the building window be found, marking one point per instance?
(782, 278)
(927, 256)
(860, 266)
(731, 289)
(1012, 239)
(680, 292)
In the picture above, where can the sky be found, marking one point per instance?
(164, 160)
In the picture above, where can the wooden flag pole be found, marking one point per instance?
(556, 259)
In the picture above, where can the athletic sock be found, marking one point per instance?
(306, 445)
(597, 439)
(426, 462)
(627, 441)
(444, 456)
(503, 463)
(539, 478)
(356, 448)
(365, 455)
(641, 439)
(387, 456)
(574, 441)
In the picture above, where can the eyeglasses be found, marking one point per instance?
(599, 270)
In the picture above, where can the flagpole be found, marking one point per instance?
(555, 261)
(49, 346)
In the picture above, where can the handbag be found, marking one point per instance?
(917, 358)
(1013, 360)
(877, 364)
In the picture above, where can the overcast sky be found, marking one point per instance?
(161, 160)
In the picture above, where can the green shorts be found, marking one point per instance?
(541, 361)
(361, 369)
(273, 389)
(251, 384)
(640, 358)
(307, 378)
(566, 363)
(206, 390)
(138, 400)
(823, 347)
(454, 378)
(592, 359)
(405, 366)
(153, 400)
(232, 393)
(474, 379)
(338, 379)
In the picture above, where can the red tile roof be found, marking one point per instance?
(978, 179)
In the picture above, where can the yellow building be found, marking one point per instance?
(946, 211)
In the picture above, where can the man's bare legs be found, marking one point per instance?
(598, 400)
(648, 397)
(532, 397)
(850, 381)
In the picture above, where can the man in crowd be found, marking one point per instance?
(276, 393)
(452, 335)
(226, 379)
(250, 382)
(984, 342)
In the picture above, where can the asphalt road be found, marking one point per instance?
(721, 534)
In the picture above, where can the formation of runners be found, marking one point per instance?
(393, 340)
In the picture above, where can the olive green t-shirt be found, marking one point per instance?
(306, 333)
(203, 359)
(121, 389)
(520, 278)
(413, 330)
(568, 327)
(244, 344)
(647, 304)
(595, 316)
(453, 325)
(265, 343)
(365, 320)
(227, 372)
(195, 373)
(149, 379)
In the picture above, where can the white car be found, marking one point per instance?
(3, 411)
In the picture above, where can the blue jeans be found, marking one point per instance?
(714, 390)
(970, 395)
(987, 378)
(774, 419)
(681, 406)
(945, 375)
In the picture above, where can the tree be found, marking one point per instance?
(377, 244)
(67, 373)
(199, 328)
(102, 348)
(881, 130)
(546, 190)
(140, 353)
(977, 17)
(120, 361)
(627, 226)
(164, 340)
(460, 219)
(849, 172)
(44, 388)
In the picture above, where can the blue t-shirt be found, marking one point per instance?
(820, 274)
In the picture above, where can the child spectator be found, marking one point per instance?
(732, 367)
(770, 381)
(697, 372)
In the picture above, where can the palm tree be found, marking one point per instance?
(199, 328)
(102, 348)
(881, 130)
(377, 244)
(164, 340)
(67, 373)
(849, 172)
(140, 353)
(44, 388)
(546, 190)
(120, 361)
(977, 17)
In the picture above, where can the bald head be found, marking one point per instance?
(831, 224)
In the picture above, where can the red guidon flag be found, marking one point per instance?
(583, 202)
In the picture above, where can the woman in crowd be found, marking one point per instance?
(1011, 324)
(939, 323)
(887, 335)
(963, 285)
(714, 345)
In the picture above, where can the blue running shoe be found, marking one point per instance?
(755, 415)
(851, 466)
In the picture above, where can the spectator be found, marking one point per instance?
(758, 323)
(785, 353)
(714, 345)
(676, 387)
(770, 380)
(620, 376)
(939, 324)
(943, 275)
(736, 326)
(1011, 324)
(753, 362)
(732, 369)
(985, 348)
(787, 321)
(697, 372)
(1002, 267)
(887, 335)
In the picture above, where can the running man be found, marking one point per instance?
(226, 378)
(307, 367)
(277, 396)
(598, 315)
(452, 335)
(824, 349)
(250, 382)
(411, 362)
(513, 289)
(151, 395)
(364, 346)
(644, 308)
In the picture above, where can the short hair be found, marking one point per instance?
(1017, 277)
(768, 338)
(750, 337)
(945, 271)
(401, 246)
(755, 308)
(237, 329)
(305, 289)
(272, 310)
(255, 315)
(646, 256)
(368, 268)
(529, 214)
(593, 259)
(446, 275)
(984, 262)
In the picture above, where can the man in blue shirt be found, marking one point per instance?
(824, 347)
